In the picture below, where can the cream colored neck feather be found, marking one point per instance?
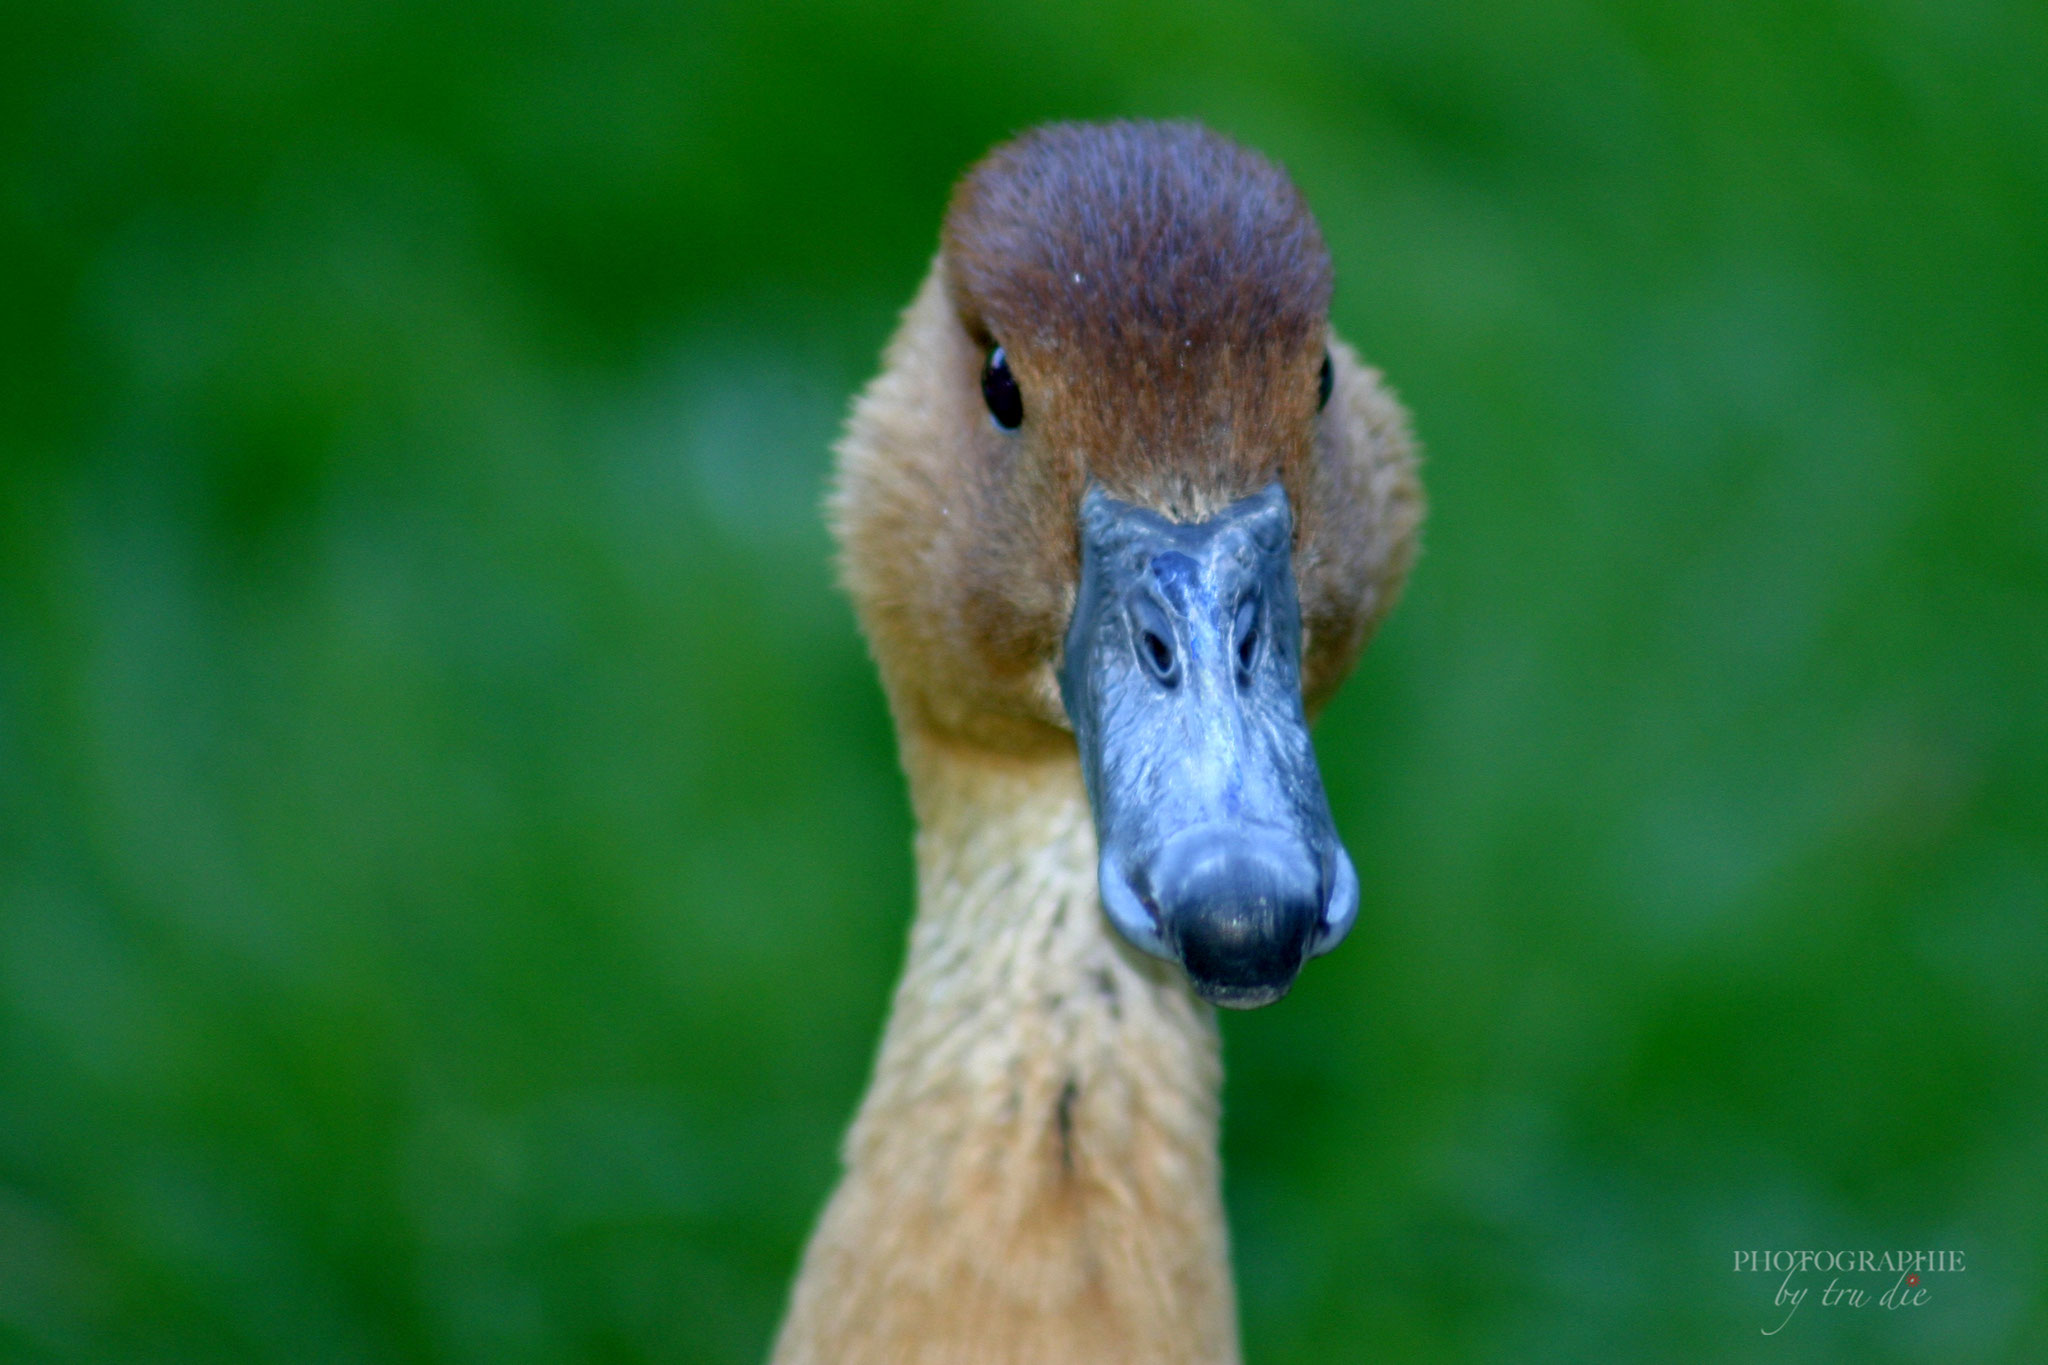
(1033, 1174)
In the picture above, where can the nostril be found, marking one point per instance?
(1152, 634)
(1246, 628)
(1159, 654)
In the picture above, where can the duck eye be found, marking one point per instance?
(1323, 384)
(999, 390)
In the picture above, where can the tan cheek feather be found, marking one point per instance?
(1359, 522)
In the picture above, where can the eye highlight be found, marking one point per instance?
(999, 390)
(1324, 382)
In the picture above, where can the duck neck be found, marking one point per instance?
(1033, 1174)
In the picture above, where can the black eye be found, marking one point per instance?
(999, 390)
(1323, 384)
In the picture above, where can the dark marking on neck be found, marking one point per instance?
(1063, 1121)
(1105, 986)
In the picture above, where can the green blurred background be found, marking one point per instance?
(452, 862)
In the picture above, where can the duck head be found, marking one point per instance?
(1119, 489)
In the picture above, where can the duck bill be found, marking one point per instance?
(1182, 678)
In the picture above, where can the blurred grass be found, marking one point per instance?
(451, 858)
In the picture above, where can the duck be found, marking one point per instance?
(1117, 516)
